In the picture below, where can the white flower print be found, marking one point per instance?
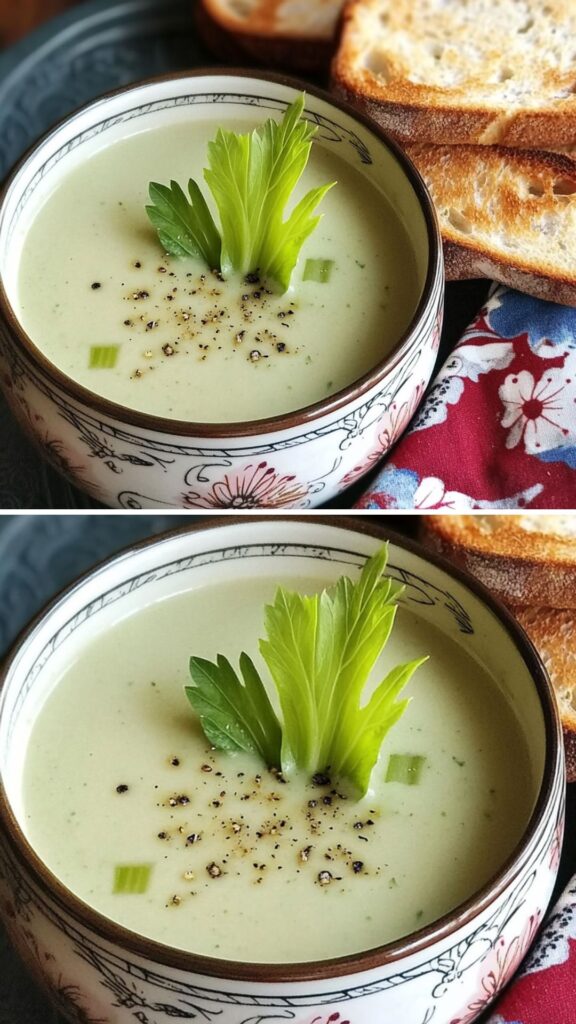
(540, 413)
(431, 493)
(467, 362)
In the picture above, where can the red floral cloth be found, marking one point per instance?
(544, 990)
(497, 428)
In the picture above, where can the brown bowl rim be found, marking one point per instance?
(248, 428)
(335, 967)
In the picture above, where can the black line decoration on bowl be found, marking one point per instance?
(115, 447)
(105, 440)
(123, 976)
(334, 132)
(419, 591)
(476, 955)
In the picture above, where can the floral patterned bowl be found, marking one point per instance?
(131, 459)
(445, 973)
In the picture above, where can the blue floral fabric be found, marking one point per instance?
(497, 427)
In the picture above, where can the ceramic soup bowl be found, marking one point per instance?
(446, 972)
(132, 459)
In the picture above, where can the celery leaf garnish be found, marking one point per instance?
(185, 228)
(235, 714)
(252, 178)
(320, 651)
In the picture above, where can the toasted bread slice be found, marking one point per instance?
(298, 35)
(553, 633)
(480, 71)
(506, 214)
(525, 559)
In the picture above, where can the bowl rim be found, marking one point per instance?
(285, 421)
(335, 967)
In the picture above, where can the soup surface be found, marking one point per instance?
(182, 343)
(240, 865)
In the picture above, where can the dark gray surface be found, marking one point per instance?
(39, 555)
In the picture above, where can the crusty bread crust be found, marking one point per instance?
(421, 122)
(496, 207)
(261, 40)
(466, 73)
(521, 565)
(407, 122)
(553, 633)
(464, 263)
(534, 572)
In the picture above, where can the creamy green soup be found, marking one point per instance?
(99, 297)
(239, 864)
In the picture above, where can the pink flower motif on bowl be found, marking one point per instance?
(394, 423)
(252, 486)
(334, 1018)
(501, 964)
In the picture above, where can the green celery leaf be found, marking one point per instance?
(363, 732)
(320, 651)
(252, 178)
(228, 179)
(185, 228)
(281, 246)
(235, 714)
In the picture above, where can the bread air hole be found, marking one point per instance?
(436, 50)
(459, 221)
(377, 63)
(526, 26)
(535, 188)
(504, 74)
(564, 187)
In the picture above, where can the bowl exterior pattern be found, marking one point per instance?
(449, 980)
(302, 467)
(94, 982)
(305, 463)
